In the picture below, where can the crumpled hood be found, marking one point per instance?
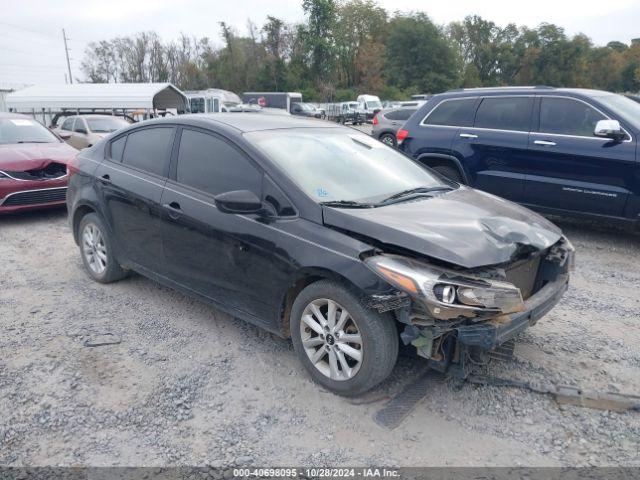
(464, 227)
(31, 156)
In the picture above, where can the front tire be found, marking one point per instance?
(96, 250)
(344, 346)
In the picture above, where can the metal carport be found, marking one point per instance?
(139, 98)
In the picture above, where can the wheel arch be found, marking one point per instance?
(441, 160)
(78, 214)
(300, 280)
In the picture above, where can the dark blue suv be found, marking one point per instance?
(564, 151)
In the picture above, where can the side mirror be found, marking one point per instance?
(609, 129)
(64, 136)
(238, 201)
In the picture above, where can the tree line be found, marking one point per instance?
(347, 47)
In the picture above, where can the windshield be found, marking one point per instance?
(332, 165)
(106, 124)
(623, 106)
(374, 104)
(24, 130)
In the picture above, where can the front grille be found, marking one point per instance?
(523, 275)
(32, 197)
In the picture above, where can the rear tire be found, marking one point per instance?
(451, 173)
(96, 250)
(349, 351)
(389, 139)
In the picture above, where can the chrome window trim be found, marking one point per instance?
(23, 180)
(630, 139)
(29, 191)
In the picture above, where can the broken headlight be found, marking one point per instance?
(447, 293)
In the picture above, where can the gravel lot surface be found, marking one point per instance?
(188, 385)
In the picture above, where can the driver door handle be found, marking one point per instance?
(545, 142)
(105, 179)
(468, 135)
(174, 209)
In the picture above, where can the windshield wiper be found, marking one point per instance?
(346, 204)
(415, 191)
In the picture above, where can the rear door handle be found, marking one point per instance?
(468, 135)
(174, 209)
(106, 179)
(545, 142)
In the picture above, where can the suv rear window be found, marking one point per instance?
(453, 112)
(401, 114)
(505, 113)
(148, 149)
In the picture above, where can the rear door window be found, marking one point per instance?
(402, 114)
(212, 165)
(453, 113)
(148, 149)
(505, 113)
(68, 124)
(566, 116)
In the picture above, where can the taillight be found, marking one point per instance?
(375, 119)
(401, 135)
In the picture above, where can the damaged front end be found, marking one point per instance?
(457, 317)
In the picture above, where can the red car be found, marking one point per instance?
(33, 165)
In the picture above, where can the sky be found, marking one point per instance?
(32, 49)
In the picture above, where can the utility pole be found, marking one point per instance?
(66, 51)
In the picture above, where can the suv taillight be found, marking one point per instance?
(401, 135)
(375, 119)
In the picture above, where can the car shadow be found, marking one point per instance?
(33, 216)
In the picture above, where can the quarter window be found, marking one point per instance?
(565, 116)
(505, 113)
(148, 149)
(117, 147)
(454, 113)
(210, 164)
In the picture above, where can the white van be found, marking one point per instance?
(368, 106)
(211, 100)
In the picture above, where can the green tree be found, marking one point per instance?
(418, 55)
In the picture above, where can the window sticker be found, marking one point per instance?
(321, 192)
(22, 123)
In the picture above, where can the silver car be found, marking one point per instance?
(82, 131)
(387, 122)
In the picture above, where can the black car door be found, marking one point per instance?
(495, 148)
(227, 258)
(573, 170)
(130, 182)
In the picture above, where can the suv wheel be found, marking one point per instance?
(451, 173)
(389, 139)
(344, 346)
(96, 249)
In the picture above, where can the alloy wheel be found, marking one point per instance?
(94, 249)
(331, 339)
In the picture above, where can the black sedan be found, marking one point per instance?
(318, 233)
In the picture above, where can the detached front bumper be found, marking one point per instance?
(495, 332)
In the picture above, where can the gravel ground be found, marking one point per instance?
(187, 385)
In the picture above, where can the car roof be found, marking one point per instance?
(250, 122)
(538, 90)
